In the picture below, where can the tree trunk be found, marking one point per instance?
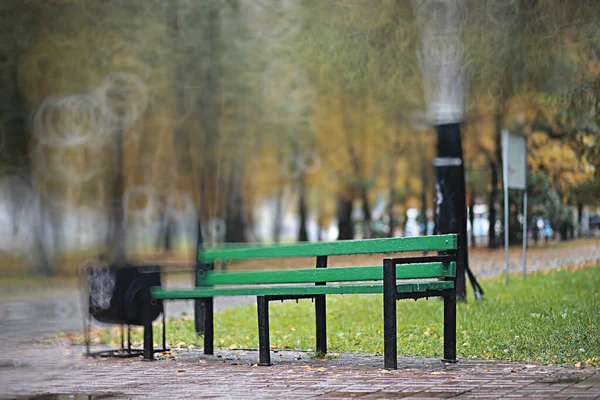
(392, 175)
(392, 201)
(363, 192)
(302, 213)
(319, 231)
(472, 217)
(43, 263)
(494, 184)
(208, 107)
(235, 222)
(450, 183)
(579, 220)
(366, 208)
(563, 231)
(344, 214)
(117, 212)
(424, 196)
(209, 118)
(278, 212)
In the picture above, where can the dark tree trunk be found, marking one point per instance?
(366, 208)
(472, 217)
(424, 196)
(579, 220)
(117, 212)
(494, 188)
(364, 197)
(43, 263)
(235, 222)
(278, 213)
(302, 212)
(209, 110)
(392, 203)
(181, 139)
(392, 187)
(450, 181)
(319, 231)
(209, 117)
(344, 214)
(19, 132)
(564, 231)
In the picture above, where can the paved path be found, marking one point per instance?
(27, 370)
(232, 374)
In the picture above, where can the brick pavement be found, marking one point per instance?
(61, 369)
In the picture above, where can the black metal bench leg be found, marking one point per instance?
(122, 338)
(390, 295)
(164, 331)
(209, 335)
(263, 330)
(321, 312)
(321, 322)
(147, 318)
(450, 329)
(88, 335)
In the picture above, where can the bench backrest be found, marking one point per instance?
(416, 270)
(341, 247)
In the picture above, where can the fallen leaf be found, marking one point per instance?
(181, 370)
(254, 365)
(578, 364)
(513, 371)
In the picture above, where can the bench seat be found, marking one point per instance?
(411, 287)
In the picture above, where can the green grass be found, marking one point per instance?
(549, 318)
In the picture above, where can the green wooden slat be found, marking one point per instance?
(313, 275)
(341, 247)
(416, 287)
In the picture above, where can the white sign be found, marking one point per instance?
(515, 152)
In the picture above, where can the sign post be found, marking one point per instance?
(514, 171)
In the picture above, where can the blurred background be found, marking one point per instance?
(133, 129)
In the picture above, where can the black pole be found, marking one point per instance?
(198, 303)
(209, 335)
(263, 330)
(321, 312)
(451, 205)
(147, 321)
(390, 326)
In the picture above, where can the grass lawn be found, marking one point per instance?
(551, 317)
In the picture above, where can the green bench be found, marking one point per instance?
(395, 278)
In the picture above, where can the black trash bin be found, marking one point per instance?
(116, 295)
